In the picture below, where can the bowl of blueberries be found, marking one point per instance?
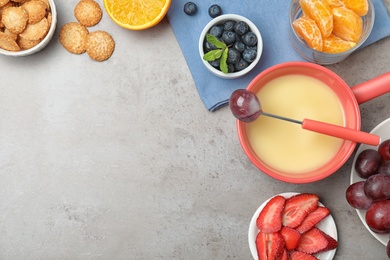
(230, 46)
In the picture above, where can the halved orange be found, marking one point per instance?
(358, 6)
(137, 14)
(307, 29)
(347, 24)
(334, 44)
(321, 13)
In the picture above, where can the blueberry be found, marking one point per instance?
(231, 68)
(190, 8)
(252, 47)
(238, 38)
(215, 10)
(216, 30)
(240, 46)
(242, 64)
(233, 56)
(215, 63)
(249, 55)
(229, 25)
(209, 46)
(249, 39)
(229, 37)
(241, 28)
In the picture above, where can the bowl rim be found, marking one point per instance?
(346, 149)
(235, 17)
(345, 54)
(43, 42)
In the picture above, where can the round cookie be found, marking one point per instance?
(36, 31)
(25, 44)
(7, 43)
(36, 10)
(13, 36)
(3, 2)
(73, 37)
(9, 4)
(15, 19)
(100, 45)
(46, 2)
(88, 12)
(49, 18)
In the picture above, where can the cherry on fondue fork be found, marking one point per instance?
(246, 107)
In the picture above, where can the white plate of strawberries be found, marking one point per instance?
(293, 226)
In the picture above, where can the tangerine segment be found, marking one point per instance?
(334, 3)
(358, 6)
(307, 29)
(334, 44)
(137, 14)
(321, 13)
(347, 24)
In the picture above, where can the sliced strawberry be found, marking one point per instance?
(285, 255)
(270, 246)
(313, 219)
(261, 245)
(275, 246)
(291, 237)
(296, 255)
(270, 217)
(297, 208)
(315, 241)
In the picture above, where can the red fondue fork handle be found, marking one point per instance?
(332, 130)
(341, 132)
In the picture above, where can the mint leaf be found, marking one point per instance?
(223, 66)
(212, 55)
(214, 41)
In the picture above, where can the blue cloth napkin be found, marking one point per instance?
(270, 16)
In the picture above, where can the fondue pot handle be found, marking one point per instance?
(341, 132)
(372, 88)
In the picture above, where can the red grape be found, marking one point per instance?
(245, 105)
(384, 150)
(377, 187)
(378, 217)
(356, 197)
(367, 163)
(384, 168)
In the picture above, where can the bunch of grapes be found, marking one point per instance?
(373, 193)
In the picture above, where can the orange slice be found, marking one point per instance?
(347, 24)
(358, 6)
(137, 14)
(321, 13)
(307, 29)
(334, 44)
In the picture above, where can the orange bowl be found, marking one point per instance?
(350, 110)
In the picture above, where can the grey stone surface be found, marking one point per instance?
(121, 160)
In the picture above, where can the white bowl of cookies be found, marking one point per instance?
(26, 26)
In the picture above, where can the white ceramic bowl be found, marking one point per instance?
(383, 130)
(327, 225)
(220, 20)
(45, 40)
